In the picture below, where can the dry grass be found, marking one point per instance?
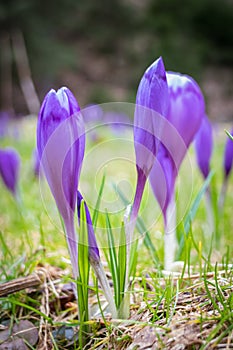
(195, 314)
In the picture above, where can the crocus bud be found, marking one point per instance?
(186, 110)
(204, 146)
(9, 168)
(93, 247)
(228, 156)
(60, 145)
(151, 105)
(185, 114)
(151, 108)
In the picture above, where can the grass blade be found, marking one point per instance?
(97, 205)
(83, 279)
(113, 259)
(141, 227)
(122, 263)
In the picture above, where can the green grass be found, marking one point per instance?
(31, 238)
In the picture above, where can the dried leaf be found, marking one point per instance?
(22, 330)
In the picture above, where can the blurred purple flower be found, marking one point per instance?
(60, 145)
(9, 168)
(4, 120)
(151, 105)
(93, 247)
(36, 163)
(227, 168)
(92, 113)
(118, 122)
(228, 156)
(204, 146)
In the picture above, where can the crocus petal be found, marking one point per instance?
(162, 178)
(61, 144)
(228, 156)
(204, 146)
(9, 168)
(93, 247)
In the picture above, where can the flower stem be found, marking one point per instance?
(129, 229)
(101, 276)
(72, 242)
(210, 214)
(222, 195)
(170, 241)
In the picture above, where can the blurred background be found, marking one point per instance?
(100, 49)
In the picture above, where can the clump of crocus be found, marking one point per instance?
(9, 168)
(179, 100)
(60, 146)
(185, 112)
(204, 148)
(227, 168)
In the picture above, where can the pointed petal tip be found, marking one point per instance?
(157, 68)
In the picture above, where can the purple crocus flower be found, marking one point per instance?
(36, 163)
(9, 168)
(228, 156)
(204, 146)
(4, 120)
(94, 255)
(227, 168)
(185, 113)
(60, 145)
(151, 107)
(186, 110)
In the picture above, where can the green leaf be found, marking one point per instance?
(112, 259)
(83, 248)
(97, 205)
(229, 135)
(141, 227)
(122, 263)
(83, 279)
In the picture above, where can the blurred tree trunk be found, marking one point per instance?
(24, 72)
(6, 95)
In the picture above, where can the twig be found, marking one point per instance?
(21, 283)
(24, 72)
